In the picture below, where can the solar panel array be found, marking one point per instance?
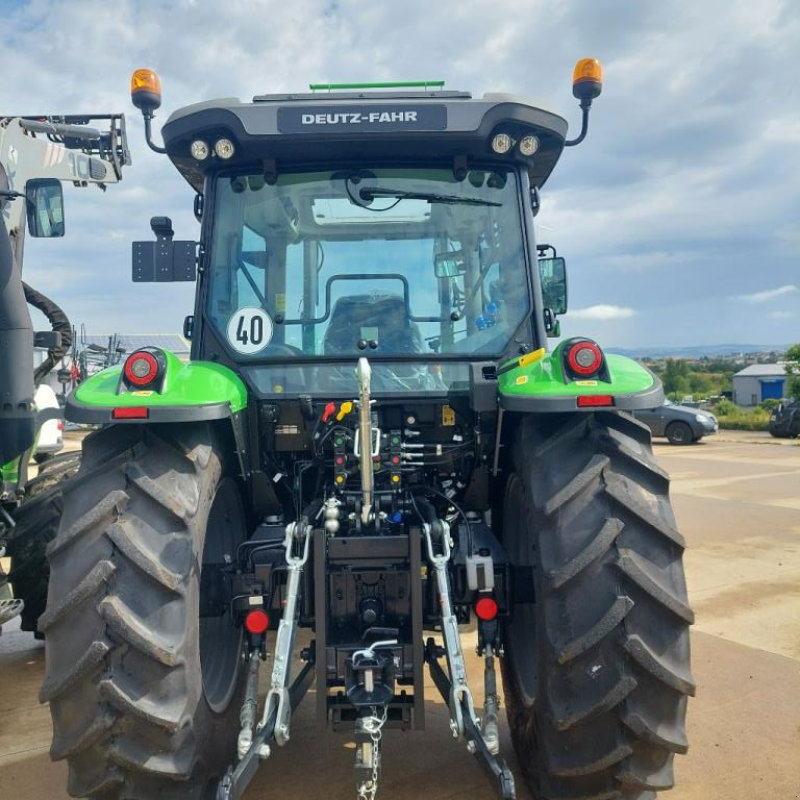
(129, 342)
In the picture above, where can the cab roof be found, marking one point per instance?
(296, 131)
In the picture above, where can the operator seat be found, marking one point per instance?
(382, 318)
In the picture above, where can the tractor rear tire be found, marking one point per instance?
(36, 524)
(597, 669)
(144, 693)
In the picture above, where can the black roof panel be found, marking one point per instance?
(299, 131)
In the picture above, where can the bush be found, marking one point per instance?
(770, 405)
(739, 419)
(725, 407)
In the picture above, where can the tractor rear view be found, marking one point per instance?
(370, 448)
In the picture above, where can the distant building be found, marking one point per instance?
(759, 382)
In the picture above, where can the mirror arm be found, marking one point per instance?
(148, 133)
(585, 104)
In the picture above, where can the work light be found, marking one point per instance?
(502, 143)
(528, 145)
(199, 150)
(224, 148)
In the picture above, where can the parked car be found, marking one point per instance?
(680, 424)
(51, 434)
(785, 420)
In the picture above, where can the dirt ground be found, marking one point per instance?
(737, 498)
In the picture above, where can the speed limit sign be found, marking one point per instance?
(249, 330)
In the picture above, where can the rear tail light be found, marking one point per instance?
(141, 368)
(585, 358)
(257, 621)
(486, 608)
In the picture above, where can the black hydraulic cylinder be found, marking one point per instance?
(17, 416)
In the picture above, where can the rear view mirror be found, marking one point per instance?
(450, 264)
(44, 200)
(553, 272)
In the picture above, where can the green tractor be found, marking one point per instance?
(370, 449)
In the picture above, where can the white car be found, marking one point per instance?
(51, 434)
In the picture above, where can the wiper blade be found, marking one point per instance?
(370, 193)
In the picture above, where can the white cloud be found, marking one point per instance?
(648, 216)
(769, 294)
(603, 313)
(781, 314)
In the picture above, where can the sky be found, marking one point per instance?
(679, 216)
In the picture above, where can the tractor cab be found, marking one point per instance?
(390, 224)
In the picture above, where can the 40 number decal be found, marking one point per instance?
(249, 330)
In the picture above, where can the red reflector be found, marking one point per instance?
(257, 621)
(595, 400)
(486, 608)
(131, 412)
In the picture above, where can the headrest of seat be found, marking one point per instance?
(380, 317)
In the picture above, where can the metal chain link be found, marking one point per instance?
(374, 727)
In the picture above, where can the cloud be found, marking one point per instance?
(769, 294)
(648, 214)
(781, 314)
(603, 313)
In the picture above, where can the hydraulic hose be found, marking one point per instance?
(60, 324)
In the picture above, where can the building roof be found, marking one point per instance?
(762, 371)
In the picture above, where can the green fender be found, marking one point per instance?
(197, 391)
(9, 475)
(536, 382)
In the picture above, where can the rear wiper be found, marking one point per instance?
(368, 194)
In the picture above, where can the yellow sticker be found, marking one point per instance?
(586, 383)
(522, 379)
(141, 394)
(280, 303)
(448, 416)
(277, 388)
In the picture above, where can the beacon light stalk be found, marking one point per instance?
(146, 96)
(587, 83)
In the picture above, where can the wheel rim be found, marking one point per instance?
(220, 639)
(679, 433)
(522, 628)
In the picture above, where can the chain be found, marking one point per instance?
(374, 727)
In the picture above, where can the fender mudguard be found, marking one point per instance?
(197, 391)
(537, 382)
